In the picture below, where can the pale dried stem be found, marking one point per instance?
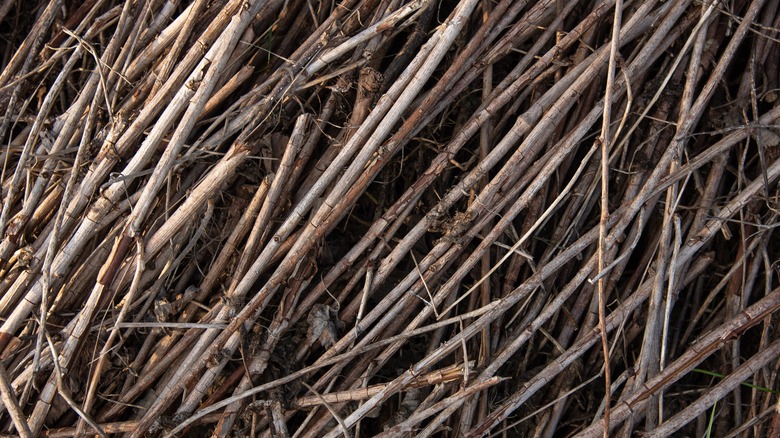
(22, 58)
(606, 142)
(103, 355)
(451, 210)
(465, 267)
(11, 404)
(691, 247)
(192, 13)
(369, 336)
(707, 345)
(420, 414)
(293, 218)
(261, 223)
(336, 359)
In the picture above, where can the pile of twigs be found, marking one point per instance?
(302, 218)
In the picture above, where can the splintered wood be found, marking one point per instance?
(402, 218)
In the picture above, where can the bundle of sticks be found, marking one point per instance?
(389, 218)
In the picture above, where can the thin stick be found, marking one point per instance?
(11, 403)
(66, 396)
(604, 139)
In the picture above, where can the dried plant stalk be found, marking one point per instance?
(373, 217)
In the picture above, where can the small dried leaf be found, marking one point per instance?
(324, 325)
